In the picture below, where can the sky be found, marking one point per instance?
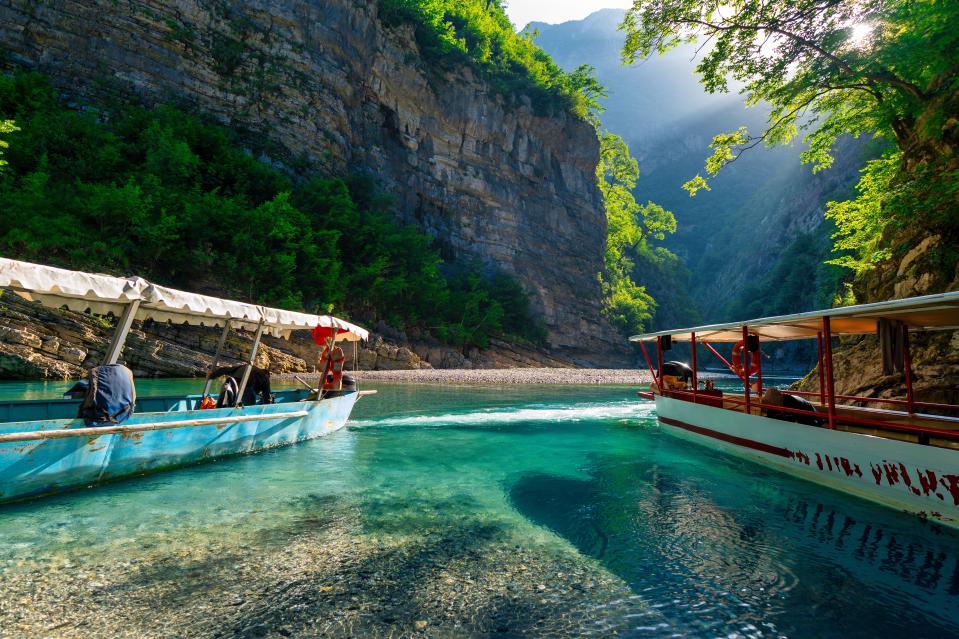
(522, 12)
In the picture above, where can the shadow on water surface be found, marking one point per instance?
(734, 548)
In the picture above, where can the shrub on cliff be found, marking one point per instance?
(478, 33)
(6, 126)
(163, 193)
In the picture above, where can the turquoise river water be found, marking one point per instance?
(467, 511)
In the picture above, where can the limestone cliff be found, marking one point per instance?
(328, 88)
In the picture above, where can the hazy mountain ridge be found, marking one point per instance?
(735, 234)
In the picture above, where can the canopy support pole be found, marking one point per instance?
(120, 335)
(216, 358)
(907, 368)
(720, 357)
(659, 360)
(759, 371)
(830, 382)
(249, 364)
(822, 379)
(692, 345)
(642, 347)
(746, 356)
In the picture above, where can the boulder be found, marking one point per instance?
(50, 345)
(13, 335)
(72, 354)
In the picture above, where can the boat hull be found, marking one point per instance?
(34, 468)
(923, 480)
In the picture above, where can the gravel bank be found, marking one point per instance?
(508, 376)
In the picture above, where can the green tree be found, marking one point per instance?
(6, 126)
(860, 223)
(831, 68)
(630, 227)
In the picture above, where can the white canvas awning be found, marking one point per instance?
(926, 313)
(102, 294)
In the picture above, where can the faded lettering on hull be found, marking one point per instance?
(920, 482)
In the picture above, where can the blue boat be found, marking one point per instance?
(45, 448)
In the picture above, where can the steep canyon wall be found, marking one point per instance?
(332, 90)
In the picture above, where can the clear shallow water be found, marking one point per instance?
(708, 545)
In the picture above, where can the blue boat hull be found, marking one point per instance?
(34, 468)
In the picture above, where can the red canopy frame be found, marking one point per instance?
(827, 392)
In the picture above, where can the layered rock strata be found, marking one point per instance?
(333, 90)
(42, 343)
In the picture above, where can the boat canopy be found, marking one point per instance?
(102, 294)
(926, 313)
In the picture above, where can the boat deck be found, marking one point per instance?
(32, 410)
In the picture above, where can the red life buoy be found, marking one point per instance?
(752, 358)
(332, 367)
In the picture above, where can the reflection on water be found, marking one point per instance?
(720, 546)
(489, 510)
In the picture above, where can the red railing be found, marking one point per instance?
(827, 393)
(843, 419)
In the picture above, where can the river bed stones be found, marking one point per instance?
(330, 572)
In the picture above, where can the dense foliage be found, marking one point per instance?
(631, 229)
(832, 68)
(478, 33)
(162, 193)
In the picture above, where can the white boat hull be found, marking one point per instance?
(47, 466)
(918, 479)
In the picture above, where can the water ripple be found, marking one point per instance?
(626, 412)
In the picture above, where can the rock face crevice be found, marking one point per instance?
(334, 91)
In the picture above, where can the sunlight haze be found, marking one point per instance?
(522, 12)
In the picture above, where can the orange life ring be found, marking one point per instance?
(332, 367)
(752, 359)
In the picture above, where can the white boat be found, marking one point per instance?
(894, 452)
(45, 448)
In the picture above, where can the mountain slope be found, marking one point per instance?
(732, 236)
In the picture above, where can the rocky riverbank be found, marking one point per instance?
(43, 343)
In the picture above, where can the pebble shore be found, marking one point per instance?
(507, 376)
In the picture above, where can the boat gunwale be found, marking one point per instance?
(5, 427)
(740, 405)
